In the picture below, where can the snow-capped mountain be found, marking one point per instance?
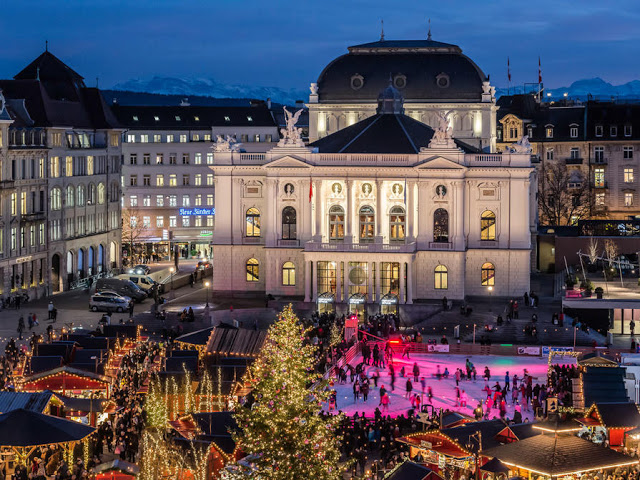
(582, 89)
(211, 88)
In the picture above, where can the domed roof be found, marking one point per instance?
(422, 70)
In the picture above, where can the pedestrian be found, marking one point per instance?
(487, 373)
(20, 326)
(55, 315)
(457, 377)
(191, 280)
(50, 309)
(423, 384)
(385, 402)
(506, 380)
(632, 326)
(365, 391)
(405, 351)
(416, 372)
(430, 395)
(463, 398)
(356, 392)
(409, 388)
(131, 309)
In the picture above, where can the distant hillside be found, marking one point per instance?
(594, 88)
(156, 99)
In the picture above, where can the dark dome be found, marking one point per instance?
(422, 70)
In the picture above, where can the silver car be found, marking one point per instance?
(98, 302)
(111, 293)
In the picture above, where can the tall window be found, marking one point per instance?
(367, 224)
(627, 152)
(599, 154)
(91, 194)
(56, 198)
(440, 225)
(390, 278)
(628, 199)
(628, 175)
(253, 223)
(598, 178)
(70, 196)
(336, 223)
(488, 278)
(288, 274)
(101, 191)
(288, 223)
(441, 277)
(81, 195)
(488, 225)
(397, 224)
(253, 270)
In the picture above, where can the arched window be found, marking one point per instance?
(253, 222)
(488, 275)
(253, 270)
(441, 275)
(81, 194)
(114, 194)
(288, 274)
(70, 196)
(288, 223)
(488, 225)
(367, 224)
(336, 223)
(91, 194)
(56, 198)
(101, 191)
(397, 223)
(441, 225)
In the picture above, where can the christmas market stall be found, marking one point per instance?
(40, 402)
(227, 341)
(195, 340)
(116, 470)
(494, 469)
(611, 420)
(556, 452)
(409, 470)
(67, 381)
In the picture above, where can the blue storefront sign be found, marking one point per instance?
(188, 212)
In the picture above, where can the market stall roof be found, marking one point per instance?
(557, 455)
(67, 378)
(209, 427)
(453, 419)
(604, 384)
(83, 405)
(557, 425)
(36, 402)
(197, 338)
(43, 363)
(25, 428)
(409, 470)
(612, 415)
(438, 442)
(596, 359)
(241, 342)
(117, 464)
(495, 466)
(488, 428)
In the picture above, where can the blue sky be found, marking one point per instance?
(287, 43)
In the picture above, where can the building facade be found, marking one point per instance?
(432, 77)
(381, 215)
(168, 184)
(62, 164)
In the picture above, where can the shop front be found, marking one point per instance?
(326, 302)
(357, 305)
(389, 304)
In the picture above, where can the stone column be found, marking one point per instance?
(310, 221)
(338, 283)
(314, 280)
(307, 281)
(378, 280)
(348, 238)
(411, 209)
(319, 202)
(379, 212)
(410, 282)
(370, 292)
(346, 282)
(457, 215)
(269, 234)
(421, 231)
(401, 299)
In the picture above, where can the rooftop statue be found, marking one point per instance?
(442, 136)
(228, 144)
(291, 136)
(521, 146)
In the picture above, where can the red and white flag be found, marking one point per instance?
(310, 190)
(539, 71)
(508, 69)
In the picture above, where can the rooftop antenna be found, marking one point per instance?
(382, 30)
(46, 45)
(429, 33)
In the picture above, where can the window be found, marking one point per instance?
(550, 154)
(488, 225)
(56, 199)
(173, 221)
(253, 223)
(186, 200)
(441, 225)
(198, 159)
(157, 138)
(159, 222)
(146, 159)
(81, 195)
(289, 225)
(574, 153)
(513, 132)
(256, 138)
(628, 199)
(173, 201)
(169, 138)
(253, 270)
(549, 132)
(159, 180)
(14, 204)
(227, 118)
(573, 132)
(336, 223)
(598, 178)
(133, 159)
(54, 167)
(131, 138)
(198, 180)
(90, 165)
(101, 192)
(114, 139)
(488, 278)
(146, 180)
(198, 220)
(288, 274)
(244, 138)
(185, 159)
(160, 200)
(599, 154)
(185, 180)
(183, 138)
(599, 130)
(530, 131)
(41, 234)
(159, 158)
(209, 179)
(146, 222)
(172, 159)
(613, 131)
(209, 199)
(56, 139)
(600, 199)
(367, 224)
(14, 235)
(146, 201)
(198, 200)
(207, 137)
(441, 278)
(68, 167)
(628, 175)
(144, 138)
(70, 196)
(23, 203)
(627, 152)
(209, 220)
(173, 180)
(209, 158)
(134, 180)
(133, 200)
(397, 224)
(627, 130)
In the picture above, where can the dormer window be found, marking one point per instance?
(613, 131)
(156, 118)
(549, 131)
(599, 130)
(357, 81)
(196, 118)
(227, 119)
(135, 118)
(249, 118)
(177, 118)
(627, 130)
(573, 131)
(530, 131)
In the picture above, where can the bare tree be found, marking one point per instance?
(593, 250)
(133, 228)
(611, 249)
(563, 195)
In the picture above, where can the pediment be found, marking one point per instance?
(439, 163)
(288, 161)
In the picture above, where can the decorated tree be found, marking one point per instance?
(282, 429)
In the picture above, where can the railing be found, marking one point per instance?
(361, 247)
(32, 217)
(364, 159)
(84, 282)
(488, 158)
(288, 243)
(252, 157)
(440, 245)
(252, 240)
(601, 161)
(573, 161)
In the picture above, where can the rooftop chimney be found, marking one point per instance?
(185, 102)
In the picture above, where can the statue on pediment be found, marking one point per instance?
(228, 144)
(521, 146)
(442, 136)
(291, 136)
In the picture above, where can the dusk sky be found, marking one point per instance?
(287, 43)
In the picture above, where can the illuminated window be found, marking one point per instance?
(441, 278)
(209, 200)
(289, 223)
(397, 224)
(160, 200)
(367, 224)
(441, 225)
(628, 199)
(488, 225)
(173, 221)
(488, 278)
(198, 180)
(253, 270)
(173, 180)
(160, 180)
(628, 175)
(288, 274)
(598, 178)
(336, 223)
(159, 222)
(253, 223)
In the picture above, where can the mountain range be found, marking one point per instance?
(583, 89)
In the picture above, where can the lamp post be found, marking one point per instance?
(490, 298)
(172, 269)
(206, 285)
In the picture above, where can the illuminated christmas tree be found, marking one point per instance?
(283, 429)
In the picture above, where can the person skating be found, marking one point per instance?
(50, 309)
(416, 372)
(409, 388)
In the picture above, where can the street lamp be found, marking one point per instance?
(490, 298)
(172, 269)
(206, 284)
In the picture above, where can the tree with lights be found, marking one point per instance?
(283, 429)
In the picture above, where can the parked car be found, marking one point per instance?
(145, 282)
(111, 293)
(140, 269)
(99, 302)
(204, 264)
(121, 286)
